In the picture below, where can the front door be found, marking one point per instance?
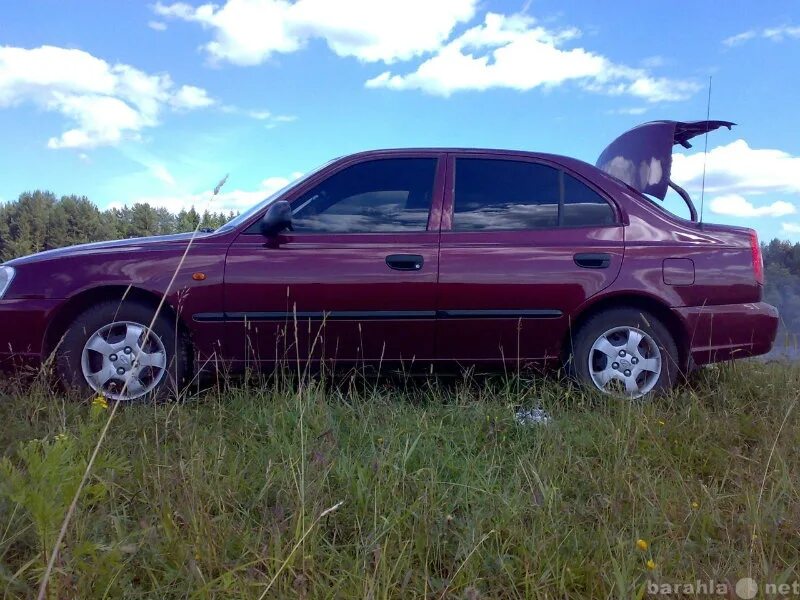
(356, 278)
(523, 243)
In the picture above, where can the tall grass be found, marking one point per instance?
(398, 488)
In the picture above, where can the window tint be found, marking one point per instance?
(376, 196)
(583, 206)
(504, 194)
(508, 194)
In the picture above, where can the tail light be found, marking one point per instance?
(758, 260)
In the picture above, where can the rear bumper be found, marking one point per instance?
(728, 331)
(23, 323)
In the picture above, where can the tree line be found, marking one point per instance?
(782, 285)
(39, 221)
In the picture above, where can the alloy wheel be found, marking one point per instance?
(626, 361)
(124, 360)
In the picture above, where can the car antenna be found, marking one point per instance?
(705, 153)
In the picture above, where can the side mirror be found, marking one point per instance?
(277, 218)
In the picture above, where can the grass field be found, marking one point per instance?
(393, 489)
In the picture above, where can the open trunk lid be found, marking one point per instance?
(642, 156)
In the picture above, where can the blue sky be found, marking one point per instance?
(139, 101)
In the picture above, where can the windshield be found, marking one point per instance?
(251, 212)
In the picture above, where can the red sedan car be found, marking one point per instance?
(425, 257)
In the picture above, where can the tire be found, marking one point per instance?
(653, 369)
(111, 327)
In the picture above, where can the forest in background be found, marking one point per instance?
(41, 221)
(782, 288)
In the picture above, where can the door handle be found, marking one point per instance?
(405, 262)
(591, 260)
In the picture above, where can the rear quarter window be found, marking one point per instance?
(583, 206)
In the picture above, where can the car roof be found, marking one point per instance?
(565, 161)
(455, 150)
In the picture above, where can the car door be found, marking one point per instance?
(523, 244)
(356, 278)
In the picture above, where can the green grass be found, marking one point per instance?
(442, 494)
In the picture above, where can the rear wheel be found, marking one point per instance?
(625, 352)
(111, 350)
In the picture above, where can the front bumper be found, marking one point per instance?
(728, 331)
(23, 323)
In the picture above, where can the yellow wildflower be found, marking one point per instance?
(651, 564)
(642, 545)
(661, 422)
(61, 437)
(695, 505)
(100, 401)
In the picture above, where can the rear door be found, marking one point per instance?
(356, 279)
(523, 244)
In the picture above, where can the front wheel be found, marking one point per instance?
(111, 350)
(625, 352)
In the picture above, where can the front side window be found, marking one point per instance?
(378, 196)
(495, 195)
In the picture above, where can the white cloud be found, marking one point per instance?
(505, 51)
(284, 118)
(514, 52)
(659, 89)
(248, 32)
(259, 115)
(274, 120)
(775, 34)
(157, 25)
(101, 120)
(791, 227)
(739, 38)
(654, 61)
(104, 103)
(736, 168)
(161, 173)
(744, 180)
(270, 120)
(778, 34)
(189, 96)
(632, 110)
(235, 200)
(735, 205)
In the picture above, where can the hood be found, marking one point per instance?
(642, 157)
(127, 245)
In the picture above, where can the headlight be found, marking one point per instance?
(6, 276)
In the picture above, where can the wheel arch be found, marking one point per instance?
(633, 300)
(70, 309)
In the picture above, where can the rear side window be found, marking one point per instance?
(507, 194)
(385, 195)
(504, 194)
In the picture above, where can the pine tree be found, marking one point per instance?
(29, 226)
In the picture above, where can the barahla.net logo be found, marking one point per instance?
(746, 588)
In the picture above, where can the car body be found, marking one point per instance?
(426, 274)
